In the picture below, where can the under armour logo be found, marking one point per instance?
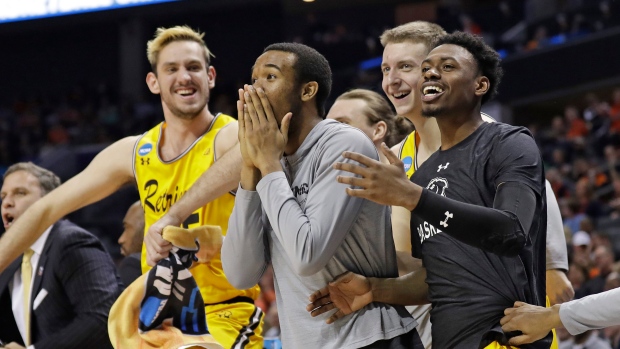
(449, 215)
(145, 161)
(442, 167)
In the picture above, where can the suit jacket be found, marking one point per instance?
(81, 284)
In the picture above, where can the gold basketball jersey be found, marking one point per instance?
(408, 152)
(162, 183)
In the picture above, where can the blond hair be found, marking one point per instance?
(415, 32)
(164, 36)
(378, 109)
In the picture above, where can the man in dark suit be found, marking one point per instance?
(59, 293)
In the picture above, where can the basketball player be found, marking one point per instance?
(405, 47)
(474, 209)
(372, 114)
(291, 211)
(164, 162)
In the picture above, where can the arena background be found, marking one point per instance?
(72, 84)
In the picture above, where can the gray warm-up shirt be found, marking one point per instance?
(594, 311)
(557, 255)
(303, 221)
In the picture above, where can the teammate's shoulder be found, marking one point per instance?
(345, 136)
(507, 129)
(334, 128)
(128, 142)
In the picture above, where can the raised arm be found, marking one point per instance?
(109, 170)
(222, 177)
(501, 229)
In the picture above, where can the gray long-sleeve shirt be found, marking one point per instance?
(557, 255)
(303, 221)
(591, 312)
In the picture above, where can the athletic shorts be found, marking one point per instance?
(236, 324)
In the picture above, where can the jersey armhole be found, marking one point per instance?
(232, 192)
(133, 158)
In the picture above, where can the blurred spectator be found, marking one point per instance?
(577, 275)
(576, 125)
(131, 244)
(603, 263)
(588, 339)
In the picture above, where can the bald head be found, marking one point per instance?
(133, 230)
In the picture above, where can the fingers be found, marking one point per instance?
(337, 315)
(519, 304)
(389, 154)
(322, 309)
(264, 101)
(348, 167)
(243, 114)
(251, 110)
(519, 340)
(156, 247)
(241, 120)
(286, 123)
(324, 292)
(254, 101)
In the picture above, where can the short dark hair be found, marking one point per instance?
(309, 66)
(48, 181)
(488, 60)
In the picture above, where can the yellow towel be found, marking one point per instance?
(124, 319)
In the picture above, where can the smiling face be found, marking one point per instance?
(401, 72)
(352, 112)
(274, 72)
(183, 79)
(450, 81)
(20, 190)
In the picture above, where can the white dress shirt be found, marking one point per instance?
(17, 293)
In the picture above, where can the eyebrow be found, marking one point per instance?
(410, 61)
(443, 59)
(269, 65)
(193, 61)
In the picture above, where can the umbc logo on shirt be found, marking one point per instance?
(408, 162)
(145, 149)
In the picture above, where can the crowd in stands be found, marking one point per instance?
(581, 150)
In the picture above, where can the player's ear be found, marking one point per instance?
(482, 86)
(211, 74)
(380, 131)
(152, 83)
(309, 90)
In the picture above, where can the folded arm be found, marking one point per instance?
(109, 170)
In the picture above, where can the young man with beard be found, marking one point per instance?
(475, 209)
(291, 211)
(165, 162)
